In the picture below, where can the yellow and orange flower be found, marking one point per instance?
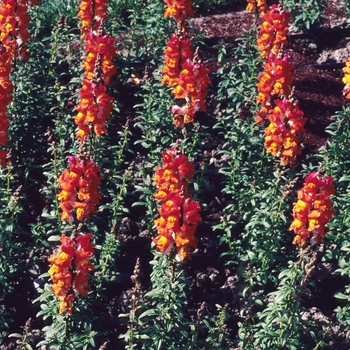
(92, 14)
(313, 210)
(79, 187)
(284, 131)
(95, 104)
(273, 31)
(260, 4)
(179, 214)
(274, 81)
(70, 268)
(177, 52)
(179, 9)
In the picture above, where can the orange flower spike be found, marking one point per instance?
(178, 51)
(70, 269)
(273, 31)
(79, 188)
(179, 215)
(179, 9)
(286, 123)
(311, 216)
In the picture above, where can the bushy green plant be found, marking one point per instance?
(306, 14)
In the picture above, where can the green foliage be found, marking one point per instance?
(306, 14)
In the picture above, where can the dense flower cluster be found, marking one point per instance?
(346, 78)
(192, 84)
(260, 4)
(182, 69)
(179, 214)
(273, 31)
(179, 9)
(177, 52)
(92, 14)
(70, 268)
(313, 210)
(274, 81)
(14, 21)
(96, 104)
(79, 187)
(283, 134)
(101, 52)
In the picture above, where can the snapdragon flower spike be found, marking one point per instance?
(283, 134)
(14, 21)
(313, 210)
(96, 105)
(93, 110)
(22, 33)
(177, 52)
(173, 175)
(179, 214)
(260, 4)
(346, 79)
(92, 13)
(101, 51)
(273, 31)
(70, 268)
(192, 85)
(274, 81)
(179, 9)
(79, 189)
(6, 88)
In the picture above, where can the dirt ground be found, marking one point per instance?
(318, 59)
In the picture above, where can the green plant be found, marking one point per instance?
(306, 14)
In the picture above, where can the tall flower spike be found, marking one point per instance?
(95, 104)
(179, 9)
(91, 13)
(283, 134)
(313, 210)
(79, 189)
(70, 268)
(273, 31)
(274, 81)
(179, 214)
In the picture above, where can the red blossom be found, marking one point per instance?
(313, 210)
(273, 31)
(79, 189)
(70, 268)
(179, 214)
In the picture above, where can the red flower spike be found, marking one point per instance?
(179, 9)
(92, 13)
(283, 134)
(273, 31)
(179, 214)
(70, 268)
(276, 80)
(79, 187)
(313, 210)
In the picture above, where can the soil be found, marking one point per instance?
(319, 91)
